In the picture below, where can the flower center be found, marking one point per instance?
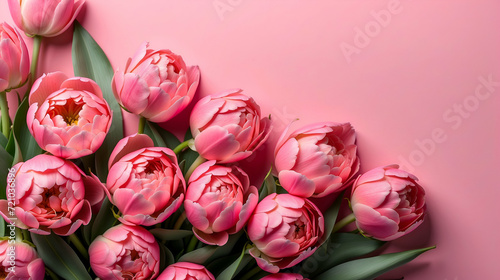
(70, 112)
(48, 201)
(3, 273)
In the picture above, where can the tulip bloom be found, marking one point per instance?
(125, 252)
(317, 160)
(20, 261)
(52, 194)
(186, 271)
(47, 18)
(219, 202)
(387, 203)
(14, 59)
(144, 182)
(68, 117)
(228, 127)
(285, 230)
(156, 85)
(284, 276)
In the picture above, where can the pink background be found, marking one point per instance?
(408, 85)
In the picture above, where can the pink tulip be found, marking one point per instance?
(68, 117)
(156, 84)
(317, 160)
(144, 182)
(284, 276)
(387, 203)
(186, 271)
(125, 252)
(19, 260)
(14, 59)
(228, 127)
(219, 202)
(285, 230)
(51, 194)
(46, 18)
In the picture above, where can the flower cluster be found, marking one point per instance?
(162, 208)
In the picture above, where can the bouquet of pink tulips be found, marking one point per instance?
(79, 199)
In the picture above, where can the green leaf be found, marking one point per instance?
(2, 226)
(104, 219)
(5, 164)
(26, 146)
(268, 186)
(230, 271)
(331, 215)
(3, 140)
(59, 257)
(341, 247)
(90, 61)
(170, 234)
(200, 255)
(160, 136)
(227, 249)
(369, 268)
(166, 257)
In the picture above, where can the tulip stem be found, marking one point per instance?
(251, 273)
(37, 42)
(79, 246)
(4, 108)
(182, 146)
(192, 244)
(142, 125)
(180, 221)
(344, 222)
(199, 160)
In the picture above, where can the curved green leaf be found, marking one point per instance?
(331, 215)
(59, 257)
(369, 268)
(200, 255)
(231, 270)
(104, 219)
(90, 61)
(5, 164)
(160, 136)
(26, 146)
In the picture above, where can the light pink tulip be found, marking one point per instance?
(68, 117)
(387, 203)
(228, 127)
(46, 18)
(186, 271)
(219, 201)
(52, 194)
(285, 230)
(284, 276)
(317, 160)
(19, 260)
(14, 59)
(144, 182)
(156, 84)
(125, 252)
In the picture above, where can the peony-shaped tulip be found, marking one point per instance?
(125, 252)
(46, 18)
(68, 118)
(219, 202)
(19, 260)
(14, 59)
(186, 271)
(51, 195)
(284, 276)
(144, 182)
(285, 230)
(156, 84)
(228, 127)
(317, 160)
(387, 203)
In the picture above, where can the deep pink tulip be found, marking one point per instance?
(125, 252)
(317, 160)
(46, 18)
(219, 202)
(19, 260)
(68, 117)
(14, 59)
(285, 230)
(387, 203)
(283, 276)
(52, 194)
(186, 271)
(144, 182)
(228, 127)
(156, 85)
